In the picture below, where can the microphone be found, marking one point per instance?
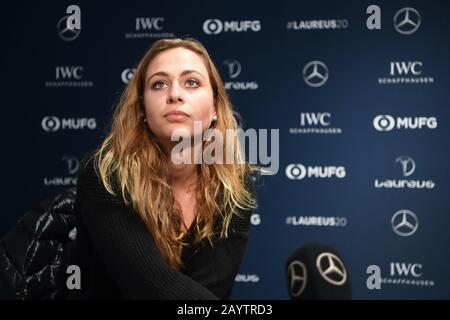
(317, 272)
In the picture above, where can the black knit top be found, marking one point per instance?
(119, 259)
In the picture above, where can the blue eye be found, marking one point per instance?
(159, 85)
(192, 83)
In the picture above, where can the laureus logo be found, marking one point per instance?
(408, 166)
(234, 69)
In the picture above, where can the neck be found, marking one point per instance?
(184, 174)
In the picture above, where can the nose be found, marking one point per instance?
(174, 95)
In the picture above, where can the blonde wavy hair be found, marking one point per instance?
(132, 155)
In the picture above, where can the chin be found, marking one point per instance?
(184, 130)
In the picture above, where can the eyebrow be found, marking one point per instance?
(165, 74)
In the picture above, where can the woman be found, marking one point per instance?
(149, 227)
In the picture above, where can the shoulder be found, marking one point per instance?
(90, 184)
(88, 177)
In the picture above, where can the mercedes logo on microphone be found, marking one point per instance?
(331, 268)
(297, 278)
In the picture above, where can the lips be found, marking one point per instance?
(176, 112)
(176, 116)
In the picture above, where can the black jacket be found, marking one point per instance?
(35, 253)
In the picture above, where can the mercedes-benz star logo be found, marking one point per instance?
(407, 20)
(315, 73)
(297, 278)
(65, 33)
(404, 223)
(331, 268)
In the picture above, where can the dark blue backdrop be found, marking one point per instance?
(269, 91)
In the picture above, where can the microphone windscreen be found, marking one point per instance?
(317, 272)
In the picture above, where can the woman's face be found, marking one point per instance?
(177, 93)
